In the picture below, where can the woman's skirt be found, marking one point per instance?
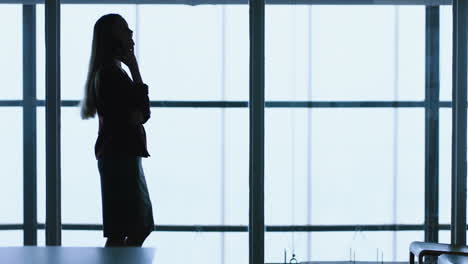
(126, 205)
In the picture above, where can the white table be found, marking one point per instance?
(76, 255)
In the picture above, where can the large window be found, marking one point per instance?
(345, 149)
(197, 174)
(344, 166)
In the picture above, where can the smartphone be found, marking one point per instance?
(118, 49)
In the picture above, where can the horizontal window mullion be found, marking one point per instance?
(344, 228)
(275, 228)
(268, 104)
(7, 103)
(11, 226)
(343, 104)
(240, 228)
(277, 104)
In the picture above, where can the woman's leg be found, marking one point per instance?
(111, 170)
(143, 213)
(135, 241)
(115, 242)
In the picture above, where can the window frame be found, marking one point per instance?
(431, 104)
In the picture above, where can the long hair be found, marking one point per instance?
(102, 51)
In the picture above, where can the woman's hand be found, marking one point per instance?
(129, 59)
(136, 117)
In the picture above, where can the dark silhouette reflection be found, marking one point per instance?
(122, 106)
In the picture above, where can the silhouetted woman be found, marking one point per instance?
(122, 105)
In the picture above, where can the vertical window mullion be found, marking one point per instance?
(459, 98)
(257, 132)
(29, 127)
(53, 184)
(432, 83)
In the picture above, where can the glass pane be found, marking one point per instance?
(359, 162)
(378, 54)
(339, 246)
(79, 238)
(11, 51)
(41, 237)
(446, 53)
(40, 52)
(197, 247)
(236, 167)
(81, 189)
(402, 243)
(190, 47)
(444, 236)
(184, 170)
(200, 178)
(410, 36)
(75, 44)
(11, 238)
(81, 193)
(287, 30)
(236, 248)
(281, 245)
(236, 59)
(445, 165)
(41, 181)
(286, 160)
(11, 174)
(409, 180)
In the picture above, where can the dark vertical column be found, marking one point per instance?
(458, 225)
(431, 216)
(53, 204)
(29, 127)
(257, 130)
